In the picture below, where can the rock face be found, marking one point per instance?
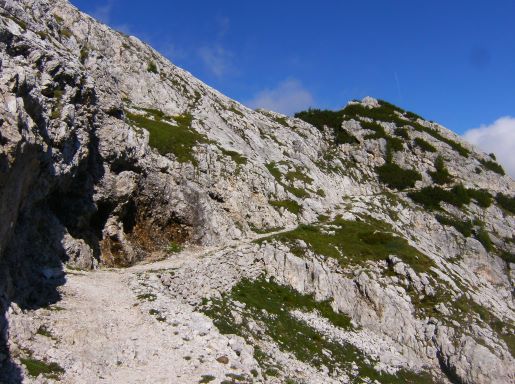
(396, 236)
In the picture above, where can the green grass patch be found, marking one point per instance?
(236, 112)
(298, 192)
(157, 315)
(354, 243)
(421, 143)
(396, 177)
(22, 24)
(493, 166)
(238, 158)
(84, 54)
(320, 192)
(38, 367)
(58, 104)
(174, 247)
(66, 32)
(290, 205)
(282, 121)
(206, 379)
(290, 177)
(297, 174)
(44, 331)
(263, 231)
(42, 34)
(276, 298)
(178, 139)
(274, 171)
(147, 297)
(154, 113)
(271, 304)
(505, 331)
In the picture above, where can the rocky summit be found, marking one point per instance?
(152, 230)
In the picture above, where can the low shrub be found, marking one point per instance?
(462, 226)
(332, 119)
(396, 177)
(433, 132)
(506, 202)
(373, 126)
(424, 145)
(482, 197)
(321, 117)
(484, 238)
(493, 166)
(395, 144)
(412, 116)
(431, 197)
(401, 132)
(152, 67)
(342, 136)
(441, 175)
(386, 112)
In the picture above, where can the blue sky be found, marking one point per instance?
(449, 61)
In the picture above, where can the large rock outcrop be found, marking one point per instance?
(110, 155)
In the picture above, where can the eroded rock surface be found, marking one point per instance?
(378, 249)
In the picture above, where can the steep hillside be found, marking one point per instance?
(144, 212)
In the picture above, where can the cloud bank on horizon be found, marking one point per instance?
(288, 97)
(499, 138)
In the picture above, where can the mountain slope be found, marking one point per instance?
(395, 235)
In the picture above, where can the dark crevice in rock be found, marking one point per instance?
(448, 371)
(129, 217)
(99, 218)
(121, 165)
(216, 197)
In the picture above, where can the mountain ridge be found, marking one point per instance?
(112, 156)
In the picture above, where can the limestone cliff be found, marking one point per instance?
(388, 240)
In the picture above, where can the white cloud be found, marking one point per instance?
(174, 52)
(288, 97)
(499, 138)
(223, 24)
(103, 12)
(217, 59)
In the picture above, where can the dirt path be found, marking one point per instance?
(102, 332)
